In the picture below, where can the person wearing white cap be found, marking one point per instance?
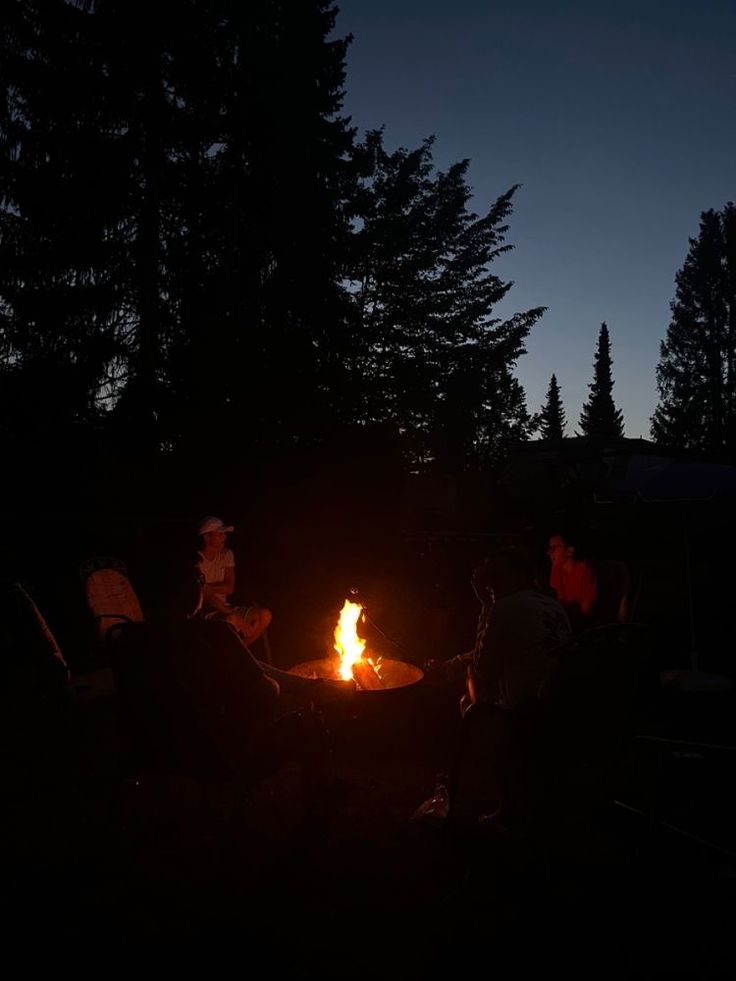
(218, 566)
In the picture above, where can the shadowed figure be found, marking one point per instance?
(520, 633)
(194, 699)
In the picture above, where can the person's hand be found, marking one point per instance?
(271, 691)
(437, 672)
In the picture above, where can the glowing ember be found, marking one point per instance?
(350, 647)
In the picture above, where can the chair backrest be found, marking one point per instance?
(594, 698)
(613, 583)
(110, 597)
(32, 658)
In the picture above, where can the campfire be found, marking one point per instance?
(352, 662)
(350, 648)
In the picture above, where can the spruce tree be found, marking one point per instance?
(696, 374)
(59, 210)
(551, 419)
(431, 358)
(600, 419)
(174, 216)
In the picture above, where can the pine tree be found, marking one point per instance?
(551, 418)
(59, 282)
(600, 419)
(174, 215)
(696, 374)
(431, 359)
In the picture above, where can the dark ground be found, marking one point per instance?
(97, 864)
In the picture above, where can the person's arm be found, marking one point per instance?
(216, 593)
(215, 600)
(247, 673)
(226, 586)
(448, 671)
(490, 655)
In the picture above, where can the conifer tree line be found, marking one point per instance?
(196, 248)
(599, 419)
(696, 374)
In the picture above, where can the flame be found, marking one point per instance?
(348, 644)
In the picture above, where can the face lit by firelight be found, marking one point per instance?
(559, 551)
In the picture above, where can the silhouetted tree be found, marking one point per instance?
(696, 374)
(600, 419)
(170, 234)
(430, 358)
(193, 253)
(278, 221)
(551, 419)
(60, 201)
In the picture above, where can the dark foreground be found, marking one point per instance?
(96, 865)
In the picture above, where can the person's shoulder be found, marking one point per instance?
(586, 567)
(530, 604)
(524, 598)
(228, 556)
(521, 606)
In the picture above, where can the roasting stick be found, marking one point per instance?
(355, 594)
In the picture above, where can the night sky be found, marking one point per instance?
(617, 118)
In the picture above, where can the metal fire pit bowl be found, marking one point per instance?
(394, 674)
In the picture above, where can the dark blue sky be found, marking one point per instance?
(618, 120)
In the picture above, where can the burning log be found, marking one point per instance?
(366, 676)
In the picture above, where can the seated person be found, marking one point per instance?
(192, 695)
(520, 633)
(572, 580)
(218, 565)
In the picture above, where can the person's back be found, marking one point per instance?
(193, 696)
(516, 656)
(613, 586)
(191, 693)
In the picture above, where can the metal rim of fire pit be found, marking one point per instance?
(395, 674)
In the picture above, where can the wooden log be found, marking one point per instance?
(366, 676)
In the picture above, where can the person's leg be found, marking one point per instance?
(514, 772)
(252, 621)
(300, 737)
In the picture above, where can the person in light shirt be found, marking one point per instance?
(217, 563)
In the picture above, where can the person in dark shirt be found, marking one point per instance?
(520, 634)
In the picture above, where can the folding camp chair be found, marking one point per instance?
(109, 594)
(37, 735)
(26, 630)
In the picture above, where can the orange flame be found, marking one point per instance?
(348, 644)
(364, 670)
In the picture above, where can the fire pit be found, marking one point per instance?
(371, 673)
(393, 674)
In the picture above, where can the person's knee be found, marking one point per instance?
(255, 622)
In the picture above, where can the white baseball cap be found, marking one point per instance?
(213, 524)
